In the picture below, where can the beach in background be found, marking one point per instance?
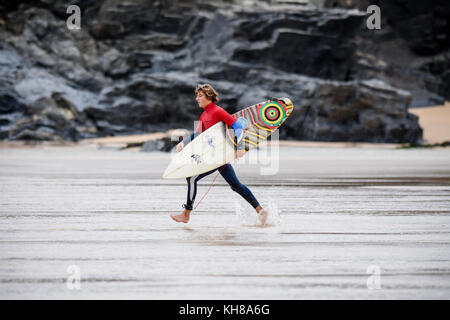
(435, 122)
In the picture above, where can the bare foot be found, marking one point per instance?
(262, 217)
(182, 217)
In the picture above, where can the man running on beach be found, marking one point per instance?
(206, 98)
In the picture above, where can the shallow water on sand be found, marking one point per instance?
(345, 224)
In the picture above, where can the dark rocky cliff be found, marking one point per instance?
(134, 64)
(412, 49)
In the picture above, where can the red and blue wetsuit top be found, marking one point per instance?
(213, 114)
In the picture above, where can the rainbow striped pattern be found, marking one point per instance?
(263, 119)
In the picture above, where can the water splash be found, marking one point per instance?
(244, 215)
(247, 216)
(274, 217)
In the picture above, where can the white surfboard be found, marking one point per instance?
(206, 152)
(216, 146)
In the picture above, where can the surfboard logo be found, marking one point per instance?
(196, 157)
(210, 141)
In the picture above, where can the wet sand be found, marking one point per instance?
(339, 215)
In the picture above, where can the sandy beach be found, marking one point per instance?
(346, 223)
(435, 122)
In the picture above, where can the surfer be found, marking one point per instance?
(207, 98)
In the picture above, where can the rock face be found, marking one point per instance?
(362, 111)
(133, 67)
(410, 51)
(52, 118)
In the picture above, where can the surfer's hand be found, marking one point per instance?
(240, 153)
(180, 146)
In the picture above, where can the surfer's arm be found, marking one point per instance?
(186, 140)
(230, 121)
(190, 137)
(239, 132)
(224, 116)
